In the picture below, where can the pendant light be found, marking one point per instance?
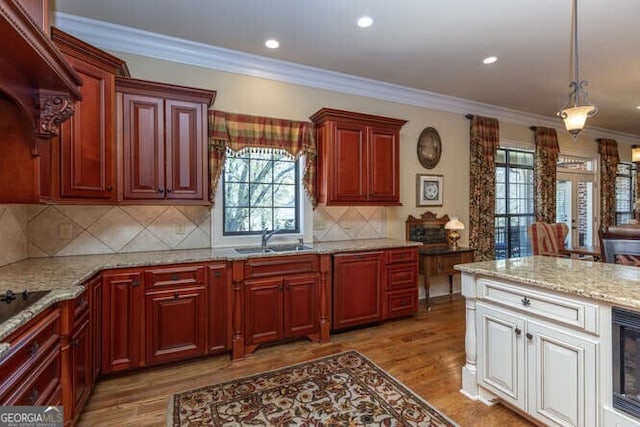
(578, 108)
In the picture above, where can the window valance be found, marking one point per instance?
(236, 132)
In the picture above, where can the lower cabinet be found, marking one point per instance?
(175, 324)
(545, 370)
(81, 366)
(281, 307)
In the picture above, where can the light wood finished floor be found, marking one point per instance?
(425, 352)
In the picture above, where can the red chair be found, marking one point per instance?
(548, 239)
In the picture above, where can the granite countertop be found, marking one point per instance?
(64, 276)
(611, 283)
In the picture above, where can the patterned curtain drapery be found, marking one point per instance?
(608, 149)
(636, 195)
(235, 132)
(484, 141)
(544, 173)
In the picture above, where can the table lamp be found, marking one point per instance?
(453, 226)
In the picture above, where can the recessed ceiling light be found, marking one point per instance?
(638, 107)
(272, 44)
(490, 60)
(365, 21)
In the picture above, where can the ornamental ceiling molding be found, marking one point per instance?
(113, 37)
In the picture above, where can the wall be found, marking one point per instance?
(13, 233)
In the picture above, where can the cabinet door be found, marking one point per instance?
(185, 150)
(357, 289)
(561, 377)
(349, 164)
(301, 314)
(501, 348)
(263, 310)
(121, 326)
(87, 138)
(143, 147)
(175, 325)
(382, 165)
(81, 366)
(219, 308)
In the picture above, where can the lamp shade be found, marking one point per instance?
(575, 118)
(635, 153)
(454, 224)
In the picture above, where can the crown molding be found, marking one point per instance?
(113, 37)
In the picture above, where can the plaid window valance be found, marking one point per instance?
(236, 132)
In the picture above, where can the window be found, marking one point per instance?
(261, 190)
(514, 202)
(625, 184)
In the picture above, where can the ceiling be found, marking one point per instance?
(433, 45)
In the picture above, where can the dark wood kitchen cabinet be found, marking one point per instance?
(176, 313)
(358, 158)
(123, 299)
(219, 307)
(163, 132)
(401, 282)
(357, 288)
(83, 156)
(80, 348)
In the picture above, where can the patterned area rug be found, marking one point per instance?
(344, 389)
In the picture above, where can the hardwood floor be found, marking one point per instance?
(425, 352)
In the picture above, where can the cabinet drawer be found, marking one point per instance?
(274, 266)
(174, 277)
(445, 263)
(402, 276)
(401, 255)
(28, 348)
(401, 303)
(41, 385)
(580, 315)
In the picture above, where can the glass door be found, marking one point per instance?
(576, 207)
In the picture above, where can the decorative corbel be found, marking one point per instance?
(53, 108)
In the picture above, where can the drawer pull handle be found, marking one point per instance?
(34, 348)
(135, 283)
(176, 295)
(160, 190)
(33, 398)
(526, 301)
(174, 277)
(518, 331)
(529, 336)
(217, 274)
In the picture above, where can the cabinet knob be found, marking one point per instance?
(160, 190)
(529, 336)
(33, 398)
(34, 348)
(135, 282)
(526, 301)
(109, 189)
(169, 190)
(217, 274)
(518, 331)
(176, 295)
(174, 277)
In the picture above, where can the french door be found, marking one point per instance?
(576, 206)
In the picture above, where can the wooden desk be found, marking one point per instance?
(439, 261)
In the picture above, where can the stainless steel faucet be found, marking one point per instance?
(266, 235)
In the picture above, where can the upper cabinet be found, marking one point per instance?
(83, 156)
(163, 132)
(38, 89)
(358, 158)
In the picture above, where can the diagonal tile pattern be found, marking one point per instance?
(349, 222)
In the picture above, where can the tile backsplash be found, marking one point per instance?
(79, 230)
(59, 230)
(349, 223)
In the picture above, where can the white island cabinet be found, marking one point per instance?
(538, 337)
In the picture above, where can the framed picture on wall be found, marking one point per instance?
(429, 190)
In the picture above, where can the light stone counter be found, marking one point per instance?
(64, 276)
(612, 283)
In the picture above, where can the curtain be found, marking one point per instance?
(236, 132)
(544, 174)
(608, 149)
(636, 195)
(484, 140)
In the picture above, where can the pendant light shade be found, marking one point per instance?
(578, 108)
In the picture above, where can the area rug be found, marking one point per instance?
(344, 389)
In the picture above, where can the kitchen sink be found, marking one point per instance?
(272, 248)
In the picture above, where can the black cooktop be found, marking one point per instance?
(12, 303)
